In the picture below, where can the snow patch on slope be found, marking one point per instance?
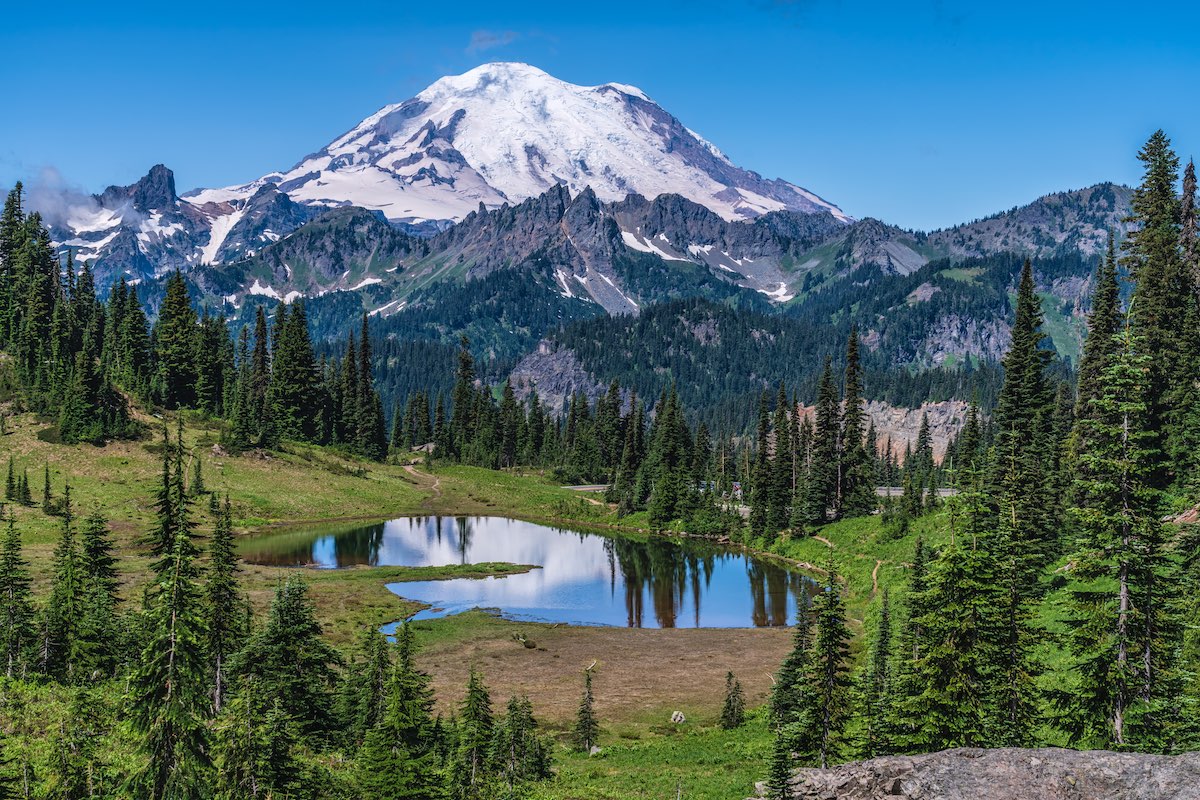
(258, 288)
(221, 226)
(634, 242)
(780, 295)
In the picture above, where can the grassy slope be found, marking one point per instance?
(698, 763)
(294, 488)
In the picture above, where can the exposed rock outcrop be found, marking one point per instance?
(555, 374)
(1006, 774)
(900, 426)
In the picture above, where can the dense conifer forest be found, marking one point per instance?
(1063, 481)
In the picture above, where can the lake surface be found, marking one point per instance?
(582, 579)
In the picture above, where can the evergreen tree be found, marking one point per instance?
(81, 767)
(1152, 255)
(733, 712)
(1027, 530)
(829, 678)
(1189, 238)
(822, 482)
(168, 687)
(59, 628)
(363, 690)
(667, 467)
(779, 499)
(587, 728)
(788, 703)
(519, 754)
(953, 683)
(16, 611)
(255, 743)
(760, 479)
(243, 425)
(262, 410)
(462, 423)
(372, 441)
(876, 690)
(1122, 633)
(779, 781)
(510, 418)
(99, 631)
(475, 727)
(47, 493)
(167, 511)
(623, 491)
(399, 756)
(225, 611)
(856, 495)
(196, 489)
(294, 388)
(292, 661)
(175, 347)
(1104, 321)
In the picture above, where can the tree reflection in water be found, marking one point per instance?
(584, 578)
(664, 570)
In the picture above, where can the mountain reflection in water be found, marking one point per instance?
(584, 578)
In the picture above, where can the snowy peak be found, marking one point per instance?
(505, 132)
(492, 137)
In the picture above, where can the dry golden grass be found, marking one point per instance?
(641, 675)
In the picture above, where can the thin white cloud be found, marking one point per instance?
(483, 39)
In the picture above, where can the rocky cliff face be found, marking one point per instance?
(1006, 774)
(555, 374)
(900, 426)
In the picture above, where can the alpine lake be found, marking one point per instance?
(581, 578)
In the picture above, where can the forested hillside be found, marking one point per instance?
(509, 277)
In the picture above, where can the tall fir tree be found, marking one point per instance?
(58, 648)
(292, 660)
(949, 687)
(856, 493)
(822, 481)
(168, 688)
(99, 631)
(175, 336)
(586, 731)
(1123, 636)
(16, 609)
(760, 478)
(226, 612)
(829, 668)
(398, 758)
(876, 685)
(470, 774)
(1153, 258)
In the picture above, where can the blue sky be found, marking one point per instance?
(923, 114)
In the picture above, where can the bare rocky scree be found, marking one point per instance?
(1005, 774)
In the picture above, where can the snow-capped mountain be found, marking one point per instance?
(499, 134)
(505, 132)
